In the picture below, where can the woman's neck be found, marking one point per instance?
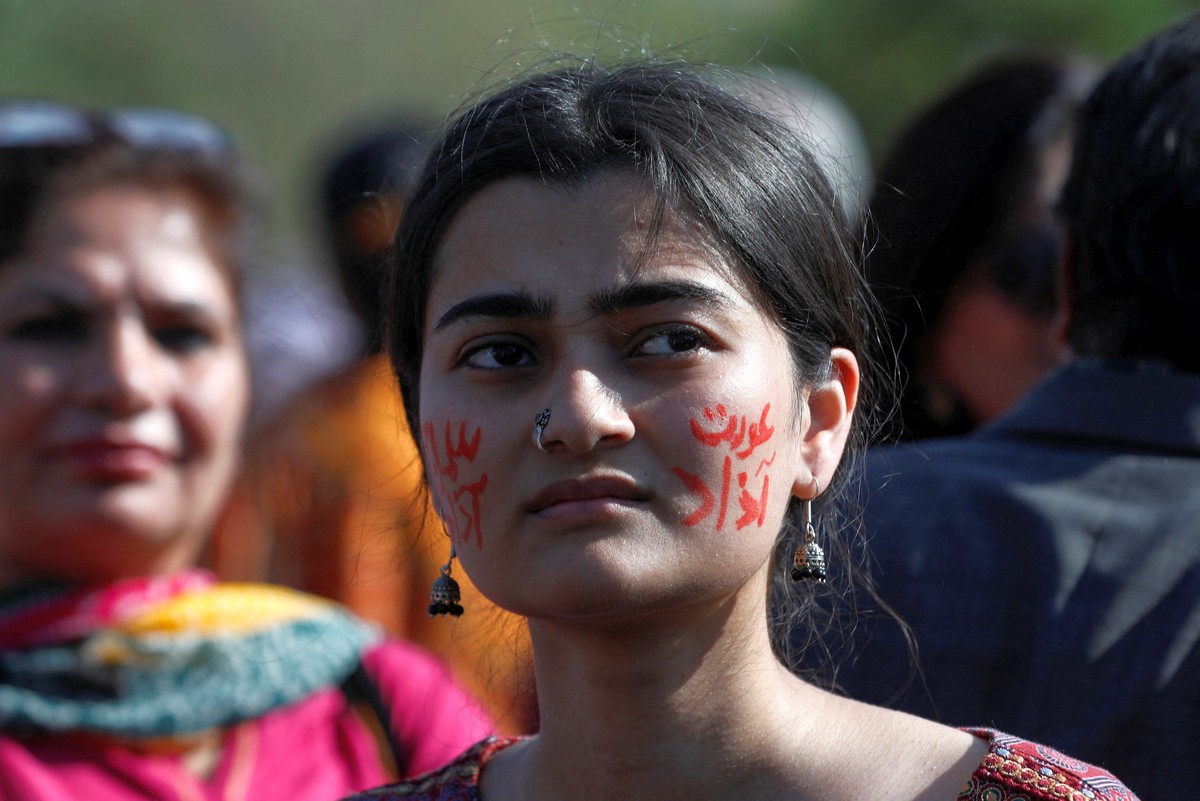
(692, 703)
(683, 703)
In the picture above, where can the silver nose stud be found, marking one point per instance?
(539, 425)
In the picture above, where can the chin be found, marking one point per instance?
(101, 548)
(598, 592)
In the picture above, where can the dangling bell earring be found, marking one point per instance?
(809, 562)
(445, 596)
(539, 425)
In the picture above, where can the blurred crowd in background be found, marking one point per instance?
(946, 128)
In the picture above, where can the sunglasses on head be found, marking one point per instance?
(44, 123)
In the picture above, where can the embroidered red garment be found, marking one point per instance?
(1012, 770)
(1016, 769)
(457, 781)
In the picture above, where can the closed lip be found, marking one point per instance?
(98, 446)
(105, 459)
(618, 488)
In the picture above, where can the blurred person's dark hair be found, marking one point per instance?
(362, 195)
(1132, 206)
(967, 194)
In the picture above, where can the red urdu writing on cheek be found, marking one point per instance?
(734, 431)
(458, 498)
(472, 515)
(754, 510)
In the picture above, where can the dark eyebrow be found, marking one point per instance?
(192, 310)
(498, 304)
(52, 297)
(631, 296)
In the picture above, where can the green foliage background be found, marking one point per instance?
(287, 77)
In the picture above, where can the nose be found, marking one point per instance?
(586, 414)
(123, 374)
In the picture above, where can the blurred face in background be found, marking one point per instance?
(123, 388)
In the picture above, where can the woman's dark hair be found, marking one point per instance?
(33, 179)
(957, 198)
(1131, 204)
(705, 153)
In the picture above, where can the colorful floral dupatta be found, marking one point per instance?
(166, 656)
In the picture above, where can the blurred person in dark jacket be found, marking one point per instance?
(1049, 563)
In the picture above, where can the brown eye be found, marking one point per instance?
(672, 341)
(183, 338)
(679, 341)
(497, 356)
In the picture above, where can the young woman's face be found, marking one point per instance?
(675, 431)
(123, 389)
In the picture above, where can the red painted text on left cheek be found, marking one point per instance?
(740, 439)
(457, 486)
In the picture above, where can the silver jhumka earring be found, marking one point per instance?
(809, 562)
(444, 596)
